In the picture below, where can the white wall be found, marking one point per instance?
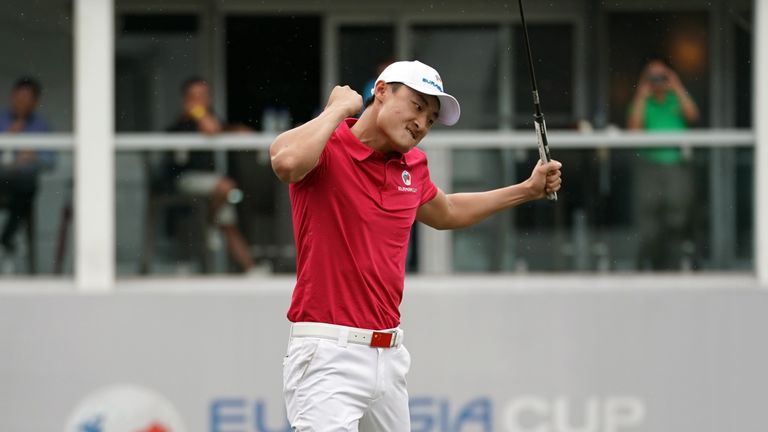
(639, 358)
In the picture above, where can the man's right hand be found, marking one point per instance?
(345, 99)
(296, 152)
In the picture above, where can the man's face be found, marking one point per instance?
(657, 75)
(23, 101)
(406, 116)
(196, 95)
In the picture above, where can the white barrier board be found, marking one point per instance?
(483, 359)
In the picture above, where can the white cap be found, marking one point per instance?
(423, 79)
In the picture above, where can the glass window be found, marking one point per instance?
(155, 54)
(652, 217)
(200, 221)
(35, 177)
(679, 38)
(208, 210)
(631, 208)
(364, 52)
(273, 70)
(742, 52)
(449, 49)
(552, 49)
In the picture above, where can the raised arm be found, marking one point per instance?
(461, 210)
(636, 116)
(295, 153)
(687, 105)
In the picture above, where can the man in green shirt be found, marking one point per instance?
(663, 179)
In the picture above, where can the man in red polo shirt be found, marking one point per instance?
(356, 188)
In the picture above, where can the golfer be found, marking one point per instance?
(356, 187)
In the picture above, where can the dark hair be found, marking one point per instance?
(30, 83)
(656, 57)
(191, 81)
(395, 86)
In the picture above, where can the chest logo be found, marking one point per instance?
(406, 178)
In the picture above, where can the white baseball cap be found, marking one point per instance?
(423, 79)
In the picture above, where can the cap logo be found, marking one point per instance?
(433, 83)
(406, 178)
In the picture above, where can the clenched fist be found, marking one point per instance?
(545, 179)
(345, 99)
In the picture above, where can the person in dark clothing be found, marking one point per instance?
(193, 173)
(19, 169)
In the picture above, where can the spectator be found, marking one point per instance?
(194, 173)
(19, 170)
(663, 178)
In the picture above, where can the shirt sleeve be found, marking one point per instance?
(321, 166)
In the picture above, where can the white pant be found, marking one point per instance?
(329, 386)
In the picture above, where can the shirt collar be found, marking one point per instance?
(357, 149)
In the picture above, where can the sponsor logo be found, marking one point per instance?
(594, 413)
(436, 84)
(125, 408)
(96, 424)
(155, 427)
(91, 425)
(525, 413)
(406, 178)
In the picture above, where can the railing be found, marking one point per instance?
(436, 247)
(440, 139)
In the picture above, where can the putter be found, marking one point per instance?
(538, 116)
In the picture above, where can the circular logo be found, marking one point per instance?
(407, 178)
(125, 408)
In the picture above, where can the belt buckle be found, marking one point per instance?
(383, 339)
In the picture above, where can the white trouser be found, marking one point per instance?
(336, 384)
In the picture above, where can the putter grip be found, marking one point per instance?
(541, 136)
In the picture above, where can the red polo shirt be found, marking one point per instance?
(352, 217)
